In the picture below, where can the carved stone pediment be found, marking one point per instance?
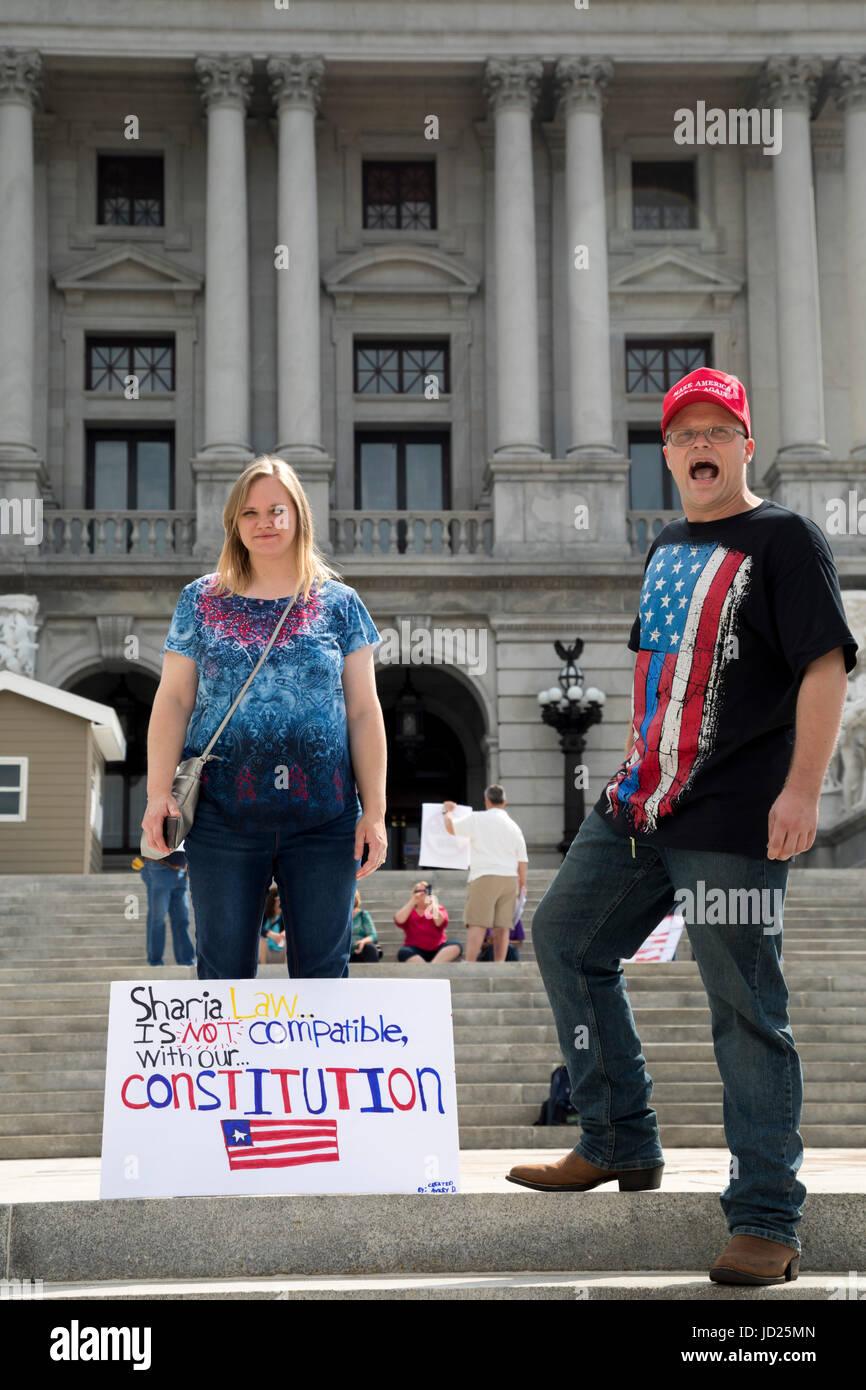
(388, 271)
(669, 271)
(128, 269)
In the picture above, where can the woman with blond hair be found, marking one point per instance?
(281, 797)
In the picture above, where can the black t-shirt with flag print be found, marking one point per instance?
(731, 614)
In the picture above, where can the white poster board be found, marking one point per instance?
(662, 941)
(217, 1087)
(439, 850)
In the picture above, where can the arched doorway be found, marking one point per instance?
(130, 694)
(446, 760)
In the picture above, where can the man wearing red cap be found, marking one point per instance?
(740, 678)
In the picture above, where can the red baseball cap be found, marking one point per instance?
(706, 384)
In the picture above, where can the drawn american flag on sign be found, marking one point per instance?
(689, 604)
(279, 1143)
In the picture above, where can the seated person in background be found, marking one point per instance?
(272, 942)
(424, 923)
(512, 953)
(365, 943)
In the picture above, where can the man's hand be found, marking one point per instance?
(792, 825)
(449, 806)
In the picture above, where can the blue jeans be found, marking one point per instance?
(230, 873)
(607, 897)
(167, 893)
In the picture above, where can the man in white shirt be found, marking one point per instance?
(497, 871)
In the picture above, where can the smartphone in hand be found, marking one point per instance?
(171, 831)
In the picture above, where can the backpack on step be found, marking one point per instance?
(558, 1109)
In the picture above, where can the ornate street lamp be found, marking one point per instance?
(571, 710)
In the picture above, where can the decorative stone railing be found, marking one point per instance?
(643, 527)
(422, 534)
(118, 534)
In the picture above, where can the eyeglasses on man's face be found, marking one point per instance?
(714, 434)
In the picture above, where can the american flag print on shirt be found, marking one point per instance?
(689, 604)
(279, 1143)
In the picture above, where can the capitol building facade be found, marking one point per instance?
(445, 260)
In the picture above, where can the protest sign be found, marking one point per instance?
(217, 1087)
(439, 850)
(662, 941)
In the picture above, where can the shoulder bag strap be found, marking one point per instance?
(249, 678)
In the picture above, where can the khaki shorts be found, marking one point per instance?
(490, 901)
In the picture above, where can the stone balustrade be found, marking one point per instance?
(643, 527)
(118, 534)
(425, 534)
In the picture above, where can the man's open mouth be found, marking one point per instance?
(703, 469)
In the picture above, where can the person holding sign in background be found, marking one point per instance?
(279, 800)
(497, 870)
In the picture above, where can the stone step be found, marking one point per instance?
(480, 1104)
(694, 1112)
(690, 1285)
(492, 1012)
(650, 1033)
(18, 925)
(809, 965)
(80, 1112)
(19, 1088)
(815, 1136)
(665, 1093)
(650, 1029)
(85, 1145)
(80, 997)
(822, 1080)
(85, 1047)
(491, 1232)
(806, 988)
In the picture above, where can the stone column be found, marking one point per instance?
(296, 86)
(580, 86)
(789, 84)
(224, 85)
(224, 82)
(850, 91)
(511, 88)
(21, 470)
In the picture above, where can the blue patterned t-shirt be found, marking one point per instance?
(285, 759)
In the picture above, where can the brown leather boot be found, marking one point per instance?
(756, 1260)
(575, 1174)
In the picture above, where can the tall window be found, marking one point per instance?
(111, 360)
(402, 470)
(663, 195)
(389, 368)
(130, 190)
(651, 487)
(654, 365)
(399, 194)
(130, 470)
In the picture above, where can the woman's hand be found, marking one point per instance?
(158, 807)
(370, 831)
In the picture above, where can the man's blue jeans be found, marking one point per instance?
(607, 897)
(230, 874)
(167, 893)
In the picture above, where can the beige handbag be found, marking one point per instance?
(187, 779)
